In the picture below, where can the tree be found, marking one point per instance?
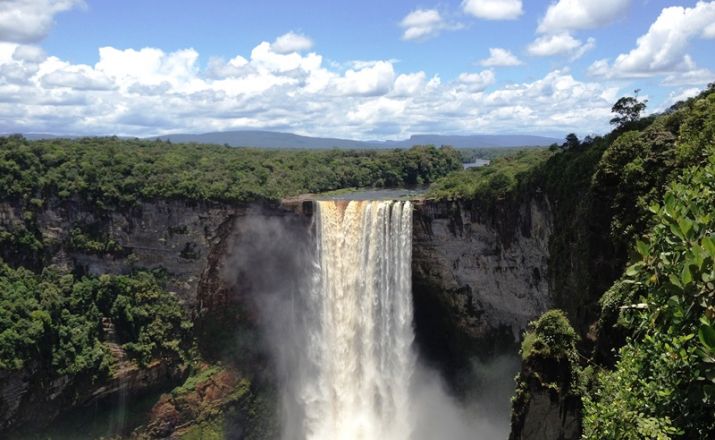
(628, 109)
(571, 142)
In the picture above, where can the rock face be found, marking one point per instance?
(173, 236)
(479, 276)
(546, 406)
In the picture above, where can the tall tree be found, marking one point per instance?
(628, 109)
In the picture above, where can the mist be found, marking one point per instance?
(276, 260)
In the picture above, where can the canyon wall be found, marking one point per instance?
(181, 239)
(479, 276)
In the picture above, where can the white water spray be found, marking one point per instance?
(360, 344)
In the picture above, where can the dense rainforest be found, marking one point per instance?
(631, 345)
(629, 348)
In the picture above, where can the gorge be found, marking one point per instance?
(163, 282)
(240, 253)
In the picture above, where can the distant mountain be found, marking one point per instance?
(272, 139)
(257, 138)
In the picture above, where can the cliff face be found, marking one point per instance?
(479, 276)
(172, 236)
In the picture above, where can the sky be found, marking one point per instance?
(336, 68)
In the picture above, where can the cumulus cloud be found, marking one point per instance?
(29, 53)
(81, 78)
(568, 15)
(662, 50)
(422, 24)
(560, 44)
(291, 42)
(374, 80)
(148, 91)
(493, 9)
(500, 57)
(29, 21)
(694, 77)
(677, 96)
(408, 84)
(709, 31)
(476, 82)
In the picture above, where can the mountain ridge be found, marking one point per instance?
(271, 139)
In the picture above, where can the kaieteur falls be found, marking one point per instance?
(360, 344)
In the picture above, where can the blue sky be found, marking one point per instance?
(373, 69)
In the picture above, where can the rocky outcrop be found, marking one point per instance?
(479, 275)
(546, 407)
(216, 402)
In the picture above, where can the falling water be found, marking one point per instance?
(359, 344)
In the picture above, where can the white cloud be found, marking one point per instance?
(493, 9)
(567, 15)
(422, 24)
(476, 82)
(709, 31)
(29, 53)
(374, 80)
(147, 91)
(78, 77)
(291, 42)
(695, 77)
(662, 50)
(680, 95)
(500, 57)
(585, 47)
(408, 84)
(149, 66)
(29, 21)
(560, 44)
(377, 110)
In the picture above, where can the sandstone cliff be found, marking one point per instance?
(479, 276)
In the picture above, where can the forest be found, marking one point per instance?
(112, 172)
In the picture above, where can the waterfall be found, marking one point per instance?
(359, 340)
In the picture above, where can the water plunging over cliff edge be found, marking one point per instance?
(360, 345)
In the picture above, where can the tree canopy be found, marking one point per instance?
(628, 109)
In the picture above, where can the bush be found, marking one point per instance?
(664, 382)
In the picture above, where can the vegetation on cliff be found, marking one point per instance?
(547, 387)
(651, 373)
(664, 382)
(53, 322)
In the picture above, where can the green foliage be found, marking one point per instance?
(55, 321)
(550, 336)
(491, 182)
(208, 430)
(469, 155)
(80, 240)
(663, 386)
(109, 172)
(628, 109)
(198, 377)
